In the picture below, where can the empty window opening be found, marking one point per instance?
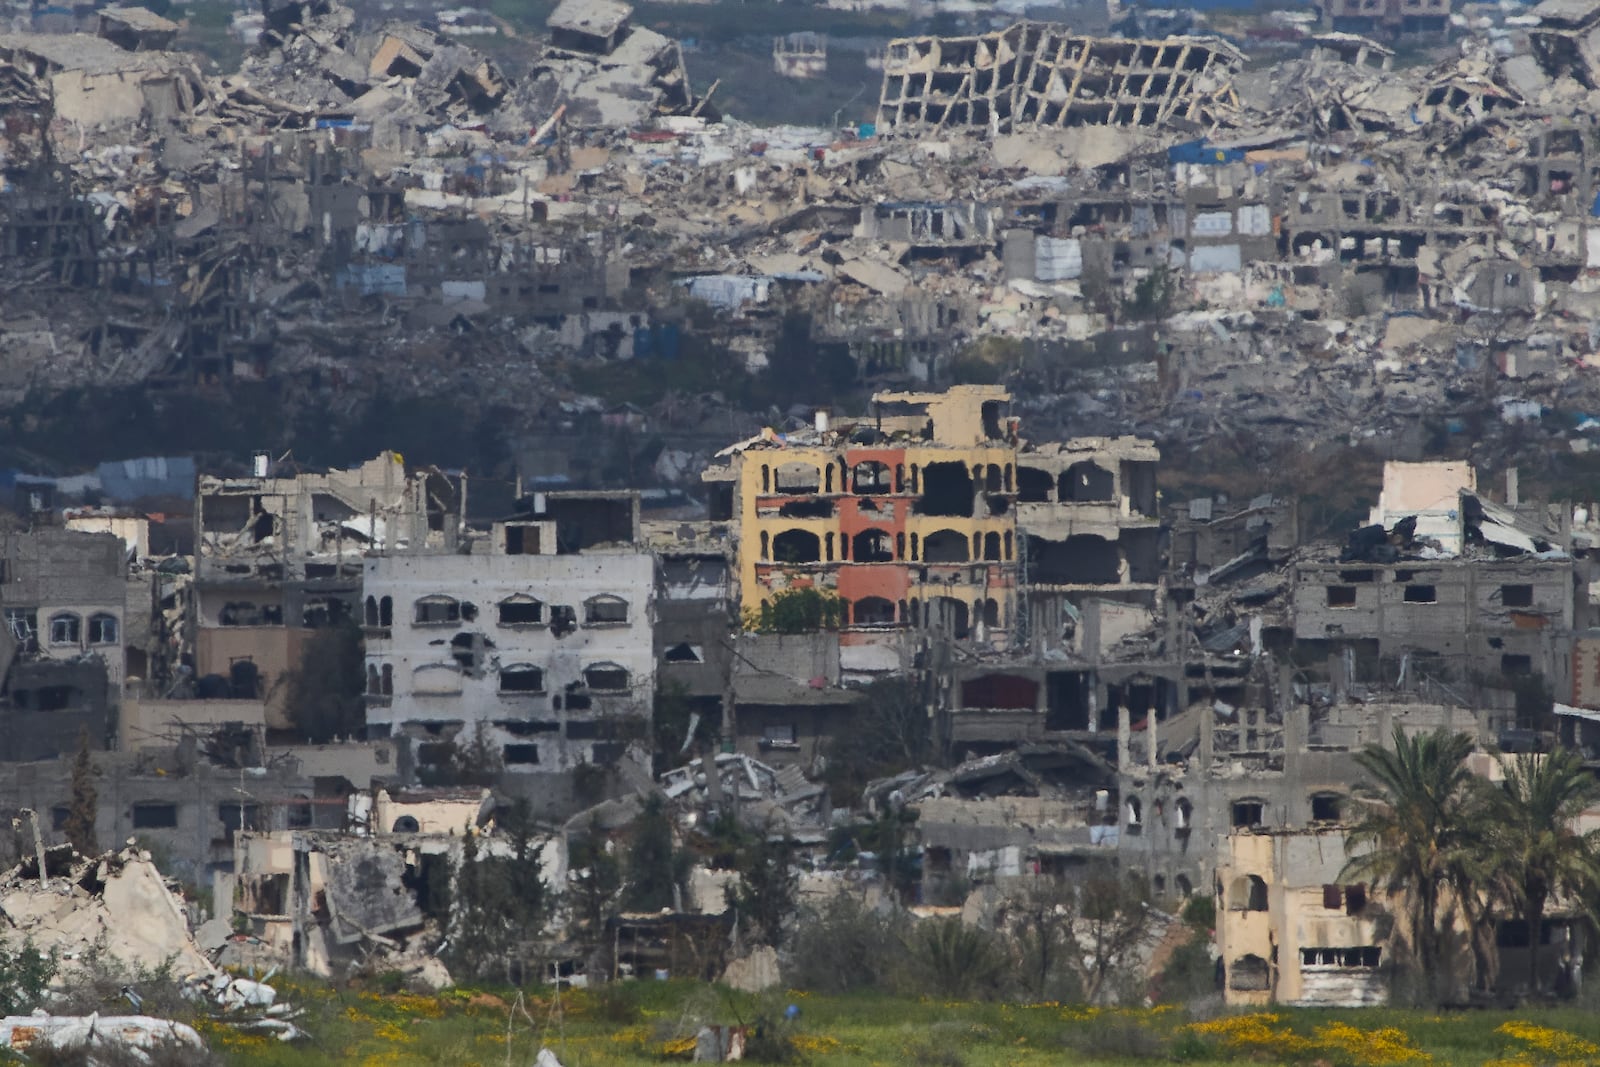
(523, 755)
(1326, 807)
(872, 546)
(605, 610)
(155, 816)
(1183, 885)
(1082, 559)
(684, 652)
(520, 610)
(103, 629)
(1249, 974)
(1034, 485)
(871, 477)
(946, 490)
(797, 546)
(65, 629)
(1341, 596)
(1135, 816)
(522, 539)
(1421, 594)
(1365, 957)
(1000, 692)
(1087, 483)
(945, 546)
(521, 678)
(797, 478)
(1516, 596)
(436, 611)
(606, 677)
(874, 611)
(1511, 663)
(1247, 813)
(991, 546)
(1182, 816)
(1248, 893)
(951, 616)
(1355, 577)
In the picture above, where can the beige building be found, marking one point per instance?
(1288, 930)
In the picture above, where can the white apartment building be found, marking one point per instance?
(551, 653)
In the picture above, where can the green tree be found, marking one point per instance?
(1419, 834)
(596, 883)
(765, 894)
(25, 974)
(81, 810)
(501, 900)
(324, 697)
(658, 871)
(1537, 853)
(796, 611)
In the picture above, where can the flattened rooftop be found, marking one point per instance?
(598, 18)
(81, 52)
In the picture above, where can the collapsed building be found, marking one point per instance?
(1039, 74)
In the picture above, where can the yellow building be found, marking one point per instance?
(907, 516)
(1288, 931)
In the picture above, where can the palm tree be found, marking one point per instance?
(1418, 831)
(1535, 849)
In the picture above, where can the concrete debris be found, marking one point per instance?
(129, 1035)
(754, 792)
(117, 904)
(755, 972)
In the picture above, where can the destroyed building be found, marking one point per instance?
(1039, 74)
(280, 555)
(537, 643)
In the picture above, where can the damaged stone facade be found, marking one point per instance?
(537, 643)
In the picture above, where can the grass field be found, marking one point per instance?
(647, 1022)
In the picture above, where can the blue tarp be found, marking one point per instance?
(1200, 152)
(129, 479)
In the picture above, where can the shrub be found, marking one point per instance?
(947, 958)
(844, 947)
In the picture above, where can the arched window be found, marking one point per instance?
(871, 477)
(371, 611)
(991, 546)
(951, 616)
(1086, 483)
(66, 629)
(874, 611)
(520, 609)
(521, 678)
(1183, 812)
(991, 613)
(872, 546)
(103, 629)
(437, 610)
(1008, 544)
(605, 610)
(1135, 821)
(386, 680)
(436, 679)
(766, 478)
(386, 611)
(797, 546)
(1248, 893)
(372, 671)
(1183, 885)
(766, 546)
(993, 480)
(606, 677)
(796, 477)
(1249, 974)
(945, 546)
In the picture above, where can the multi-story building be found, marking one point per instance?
(907, 516)
(533, 649)
(64, 598)
(279, 555)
